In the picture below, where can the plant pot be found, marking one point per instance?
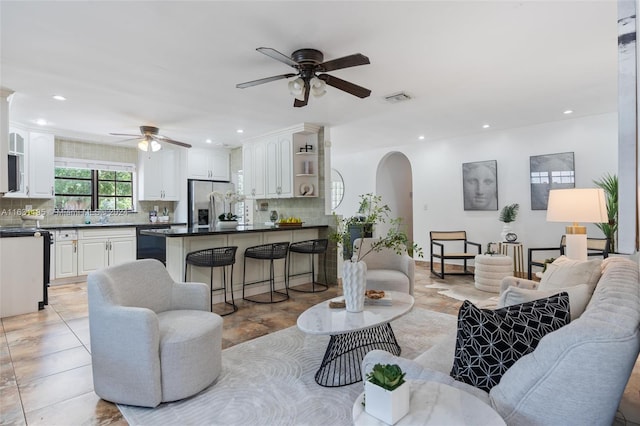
(388, 406)
(506, 229)
(354, 283)
(227, 224)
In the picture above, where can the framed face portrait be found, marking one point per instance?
(480, 185)
(547, 172)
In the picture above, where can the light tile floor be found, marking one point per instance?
(45, 361)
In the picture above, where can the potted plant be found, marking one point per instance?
(354, 272)
(387, 394)
(227, 219)
(609, 183)
(508, 214)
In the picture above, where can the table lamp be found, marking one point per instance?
(577, 205)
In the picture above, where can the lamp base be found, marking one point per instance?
(576, 246)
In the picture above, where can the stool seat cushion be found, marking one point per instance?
(190, 352)
(387, 279)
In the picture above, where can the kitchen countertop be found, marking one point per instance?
(194, 232)
(112, 225)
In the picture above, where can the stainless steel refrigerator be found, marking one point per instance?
(203, 207)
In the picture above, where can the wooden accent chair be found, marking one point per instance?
(440, 239)
(595, 247)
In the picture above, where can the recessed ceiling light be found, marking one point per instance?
(59, 98)
(421, 137)
(208, 141)
(41, 122)
(486, 126)
(240, 131)
(568, 111)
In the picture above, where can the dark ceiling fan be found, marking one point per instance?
(150, 139)
(310, 66)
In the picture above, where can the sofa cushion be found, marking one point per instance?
(565, 272)
(579, 296)
(489, 342)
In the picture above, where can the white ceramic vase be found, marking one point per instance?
(354, 284)
(506, 228)
(388, 406)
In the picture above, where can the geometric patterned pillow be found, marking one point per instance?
(489, 342)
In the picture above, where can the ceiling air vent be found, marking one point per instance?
(397, 97)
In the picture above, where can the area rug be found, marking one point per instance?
(462, 292)
(270, 380)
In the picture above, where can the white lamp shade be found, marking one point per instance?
(318, 87)
(586, 205)
(296, 87)
(143, 145)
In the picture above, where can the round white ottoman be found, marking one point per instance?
(490, 270)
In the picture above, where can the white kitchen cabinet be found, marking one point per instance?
(66, 259)
(208, 164)
(99, 248)
(253, 168)
(279, 180)
(35, 152)
(275, 167)
(158, 175)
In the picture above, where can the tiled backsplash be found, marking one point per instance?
(10, 208)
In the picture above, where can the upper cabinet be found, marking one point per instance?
(35, 163)
(282, 164)
(158, 175)
(208, 164)
(253, 162)
(279, 181)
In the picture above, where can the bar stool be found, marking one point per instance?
(269, 252)
(214, 258)
(311, 247)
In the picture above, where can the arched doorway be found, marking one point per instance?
(394, 182)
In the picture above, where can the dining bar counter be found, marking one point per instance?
(180, 241)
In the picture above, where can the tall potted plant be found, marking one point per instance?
(609, 183)
(354, 269)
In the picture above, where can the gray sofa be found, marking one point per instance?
(575, 376)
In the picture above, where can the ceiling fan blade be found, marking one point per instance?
(263, 80)
(344, 85)
(344, 62)
(132, 139)
(125, 134)
(297, 102)
(169, 140)
(273, 53)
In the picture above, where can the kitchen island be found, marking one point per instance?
(183, 240)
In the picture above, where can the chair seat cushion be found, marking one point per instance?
(190, 352)
(387, 279)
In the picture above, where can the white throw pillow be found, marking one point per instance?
(579, 296)
(565, 272)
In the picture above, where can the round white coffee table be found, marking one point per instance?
(490, 270)
(353, 335)
(434, 403)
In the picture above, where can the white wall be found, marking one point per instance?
(437, 176)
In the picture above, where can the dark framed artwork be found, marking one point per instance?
(480, 185)
(547, 172)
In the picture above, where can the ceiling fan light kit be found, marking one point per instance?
(149, 138)
(309, 78)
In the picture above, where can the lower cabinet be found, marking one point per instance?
(99, 248)
(66, 259)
